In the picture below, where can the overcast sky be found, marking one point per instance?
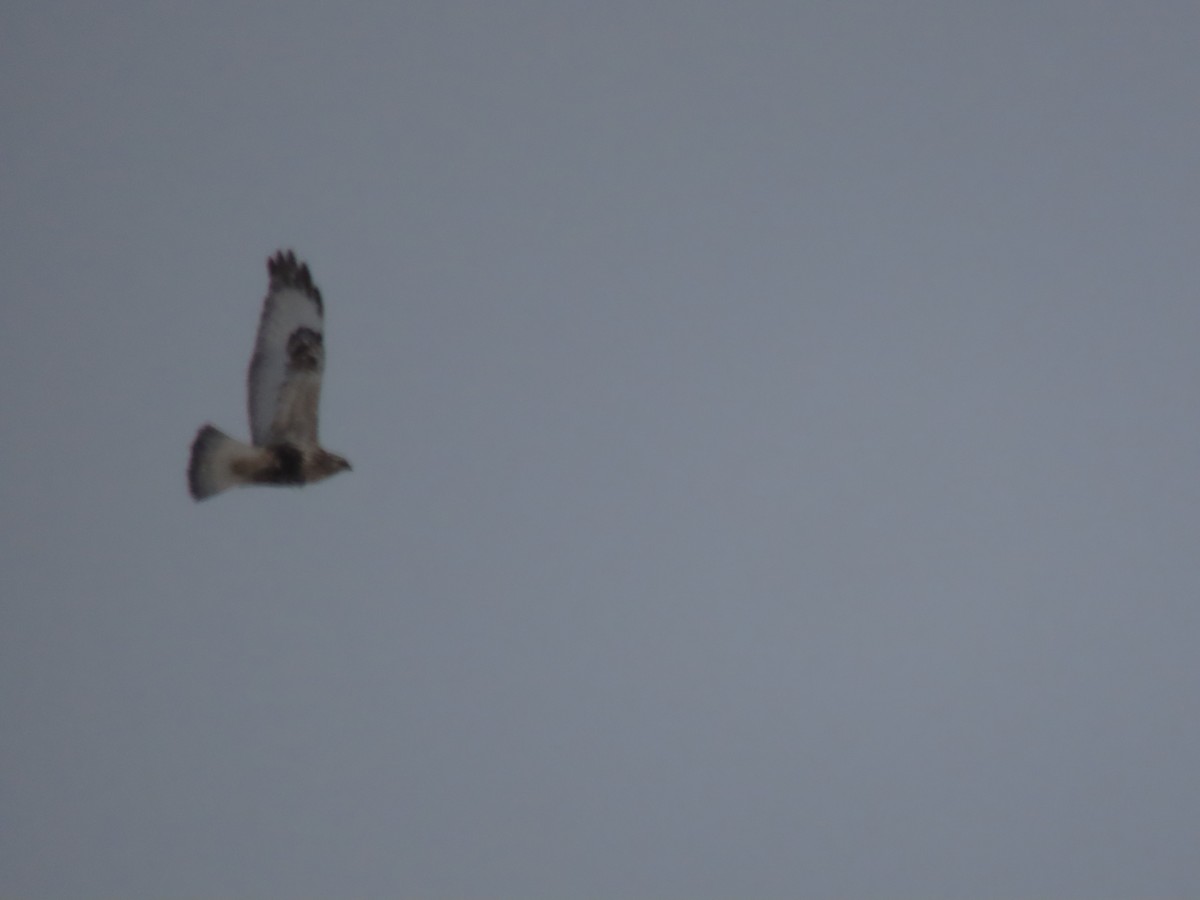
(775, 439)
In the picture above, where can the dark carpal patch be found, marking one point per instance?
(304, 349)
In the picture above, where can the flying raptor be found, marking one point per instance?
(284, 388)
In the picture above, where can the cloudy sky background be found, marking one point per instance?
(775, 433)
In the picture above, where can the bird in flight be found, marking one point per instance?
(284, 388)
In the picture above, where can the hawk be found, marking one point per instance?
(284, 387)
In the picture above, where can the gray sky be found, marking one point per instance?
(775, 437)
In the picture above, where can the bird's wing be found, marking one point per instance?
(284, 382)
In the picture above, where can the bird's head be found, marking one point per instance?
(327, 464)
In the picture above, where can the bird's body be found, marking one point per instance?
(284, 387)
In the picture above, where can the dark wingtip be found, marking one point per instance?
(286, 271)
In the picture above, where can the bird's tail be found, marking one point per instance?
(218, 462)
